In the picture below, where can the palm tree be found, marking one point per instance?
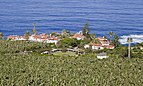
(53, 34)
(93, 37)
(111, 35)
(27, 34)
(129, 40)
(1, 35)
(34, 24)
(65, 33)
(34, 29)
(86, 29)
(115, 41)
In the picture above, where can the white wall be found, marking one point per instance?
(102, 57)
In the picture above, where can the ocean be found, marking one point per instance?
(123, 17)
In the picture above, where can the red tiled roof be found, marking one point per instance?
(101, 38)
(78, 36)
(94, 44)
(104, 41)
(14, 37)
(11, 37)
(45, 37)
(109, 46)
(22, 37)
(39, 37)
(53, 38)
(43, 34)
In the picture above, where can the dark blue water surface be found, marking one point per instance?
(121, 16)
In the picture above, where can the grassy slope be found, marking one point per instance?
(33, 69)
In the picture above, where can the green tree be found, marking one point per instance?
(93, 36)
(27, 34)
(111, 35)
(81, 43)
(34, 29)
(86, 31)
(68, 42)
(116, 40)
(1, 35)
(120, 51)
(65, 33)
(34, 25)
(53, 34)
(105, 37)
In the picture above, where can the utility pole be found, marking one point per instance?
(129, 40)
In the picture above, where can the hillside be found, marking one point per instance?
(32, 69)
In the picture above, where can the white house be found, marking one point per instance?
(11, 37)
(102, 56)
(97, 46)
(109, 47)
(22, 38)
(52, 39)
(86, 46)
(103, 41)
(36, 38)
(79, 36)
(16, 38)
(44, 38)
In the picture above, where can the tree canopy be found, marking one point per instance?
(1, 35)
(86, 31)
(68, 42)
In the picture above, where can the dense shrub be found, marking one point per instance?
(18, 46)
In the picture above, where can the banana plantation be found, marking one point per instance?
(20, 68)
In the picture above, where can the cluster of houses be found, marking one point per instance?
(103, 42)
(36, 38)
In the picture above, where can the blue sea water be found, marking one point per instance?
(123, 17)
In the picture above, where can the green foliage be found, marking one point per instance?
(55, 34)
(27, 34)
(1, 35)
(18, 69)
(34, 31)
(139, 45)
(34, 25)
(121, 51)
(137, 52)
(86, 31)
(67, 42)
(111, 35)
(20, 46)
(81, 43)
(65, 33)
(71, 43)
(116, 40)
(137, 55)
(93, 37)
(137, 49)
